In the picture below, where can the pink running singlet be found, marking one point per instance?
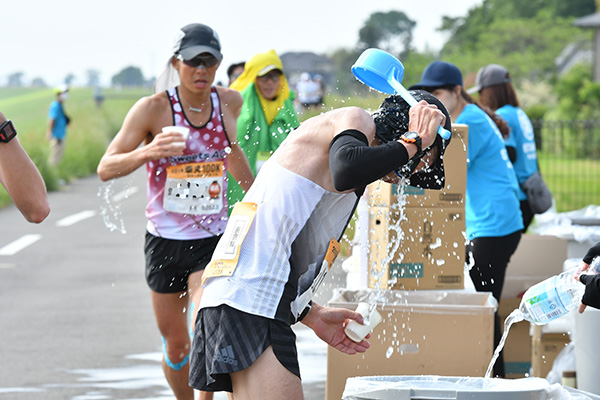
(187, 194)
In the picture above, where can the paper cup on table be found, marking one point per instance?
(356, 331)
(181, 129)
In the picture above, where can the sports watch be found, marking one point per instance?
(7, 131)
(414, 138)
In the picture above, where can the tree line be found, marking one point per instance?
(524, 36)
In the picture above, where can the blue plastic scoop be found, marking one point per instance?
(384, 72)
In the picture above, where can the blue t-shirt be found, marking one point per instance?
(522, 139)
(57, 113)
(492, 207)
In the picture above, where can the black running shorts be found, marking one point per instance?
(227, 340)
(170, 262)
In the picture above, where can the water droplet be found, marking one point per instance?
(389, 352)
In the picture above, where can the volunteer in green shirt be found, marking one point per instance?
(267, 115)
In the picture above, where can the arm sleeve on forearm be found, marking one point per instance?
(592, 253)
(354, 164)
(591, 297)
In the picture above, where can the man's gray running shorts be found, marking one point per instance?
(227, 340)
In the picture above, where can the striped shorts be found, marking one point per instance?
(227, 340)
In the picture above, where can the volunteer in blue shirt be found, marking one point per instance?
(57, 125)
(493, 215)
(496, 92)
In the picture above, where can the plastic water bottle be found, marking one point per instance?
(555, 296)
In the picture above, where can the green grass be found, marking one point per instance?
(89, 133)
(574, 183)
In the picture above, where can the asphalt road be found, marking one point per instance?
(75, 314)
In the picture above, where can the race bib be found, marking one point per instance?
(227, 253)
(194, 188)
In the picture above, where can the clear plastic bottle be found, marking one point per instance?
(555, 296)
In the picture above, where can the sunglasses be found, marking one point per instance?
(271, 76)
(203, 60)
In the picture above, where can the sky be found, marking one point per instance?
(51, 39)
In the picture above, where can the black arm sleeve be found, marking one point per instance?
(591, 297)
(592, 253)
(354, 164)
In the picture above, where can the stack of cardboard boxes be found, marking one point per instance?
(416, 238)
(416, 241)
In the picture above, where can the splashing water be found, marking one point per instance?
(110, 206)
(389, 352)
(394, 217)
(514, 317)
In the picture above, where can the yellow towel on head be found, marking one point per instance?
(251, 70)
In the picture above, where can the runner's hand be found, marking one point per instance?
(329, 323)
(165, 145)
(425, 119)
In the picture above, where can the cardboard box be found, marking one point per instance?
(416, 248)
(381, 194)
(537, 257)
(517, 349)
(545, 348)
(422, 333)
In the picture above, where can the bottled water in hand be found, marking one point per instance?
(555, 296)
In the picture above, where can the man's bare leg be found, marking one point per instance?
(266, 379)
(171, 317)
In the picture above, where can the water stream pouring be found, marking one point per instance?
(384, 72)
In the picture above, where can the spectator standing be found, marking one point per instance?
(57, 124)
(268, 114)
(495, 90)
(309, 91)
(493, 216)
(187, 185)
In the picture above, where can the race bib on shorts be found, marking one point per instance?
(194, 188)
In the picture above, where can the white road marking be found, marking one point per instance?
(19, 244)
(6, 266)
(75, 218)
(125, 193)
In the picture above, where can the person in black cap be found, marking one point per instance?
(279, 242)
(187, 130)
(493, 216)
(495, 90)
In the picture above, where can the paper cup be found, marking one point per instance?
(181, 129)
(356, 331)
